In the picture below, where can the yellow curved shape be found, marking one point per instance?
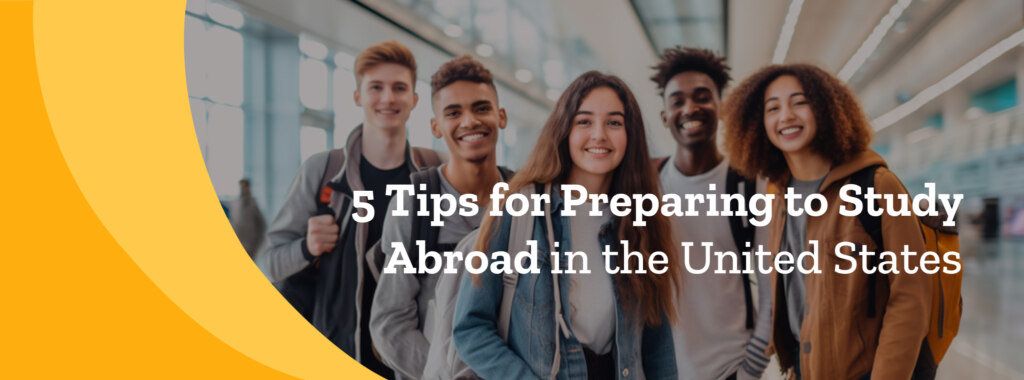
(112, 76)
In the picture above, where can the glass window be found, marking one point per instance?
(491, 22)
(418, 126)
(313, 83)
(224, 148)
(224, 74)
(998, 98)
(344, 60)
(199, 119)
(346, 114)
(195, 56)
(311, 140)
(214, 64)
(526, 39)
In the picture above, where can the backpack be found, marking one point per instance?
(300, 288)
(947, 303)
(741, 228)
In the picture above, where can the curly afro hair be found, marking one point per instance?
(843, 128)
(679, 59)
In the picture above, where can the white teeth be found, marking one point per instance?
(790, 130)
(473, 137)
(598, 150)
(387, 112)
(691, 124)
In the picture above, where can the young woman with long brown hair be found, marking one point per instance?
(577, 326)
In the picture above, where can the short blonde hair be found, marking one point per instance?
(384, 52)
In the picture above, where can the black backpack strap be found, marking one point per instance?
(865, 178)
(421, 228)
(335, 161)
(506, 173)
(659, 163)
(425, 158)
(742, 233)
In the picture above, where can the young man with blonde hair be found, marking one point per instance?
(315, 252)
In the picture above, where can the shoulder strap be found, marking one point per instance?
(520, 231)
(658, 163)
(742, 233)
(865, 178)
(335, 161)
(425, 157)
(421, 228)
(506, 173)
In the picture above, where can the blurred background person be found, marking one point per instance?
(246, 219)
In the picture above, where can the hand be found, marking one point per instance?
(321, 234)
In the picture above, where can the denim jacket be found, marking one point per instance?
(640, 352)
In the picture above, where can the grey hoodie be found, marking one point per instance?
(336, 282)
(403, 319)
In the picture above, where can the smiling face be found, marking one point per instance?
(467, 117)
(788, 116)
(597, 141)
(691, 108)
(386, 95)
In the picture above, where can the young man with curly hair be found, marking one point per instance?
(467, 117)
(720, 334)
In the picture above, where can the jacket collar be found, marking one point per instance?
(841, 172)
(349, 179)
(860, 161)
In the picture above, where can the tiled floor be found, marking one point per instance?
(990, 344)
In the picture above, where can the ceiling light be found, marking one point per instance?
(553, 94)
(953, 79)
(524, 75)
(453, 31)
(312, 48)
(874, 39)
(484, 50)
(788, 27)
(225, 15)
(921, 134)
(974, 113)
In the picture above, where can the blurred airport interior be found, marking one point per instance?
(270, 83)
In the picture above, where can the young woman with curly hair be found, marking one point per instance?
(803, 129)
(582, 325)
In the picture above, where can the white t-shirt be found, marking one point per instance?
(711, 335)
(591, 298)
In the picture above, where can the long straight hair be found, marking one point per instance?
(649, 295)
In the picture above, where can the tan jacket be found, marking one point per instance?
(839, 340)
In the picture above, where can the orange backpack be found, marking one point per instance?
(947, 304)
